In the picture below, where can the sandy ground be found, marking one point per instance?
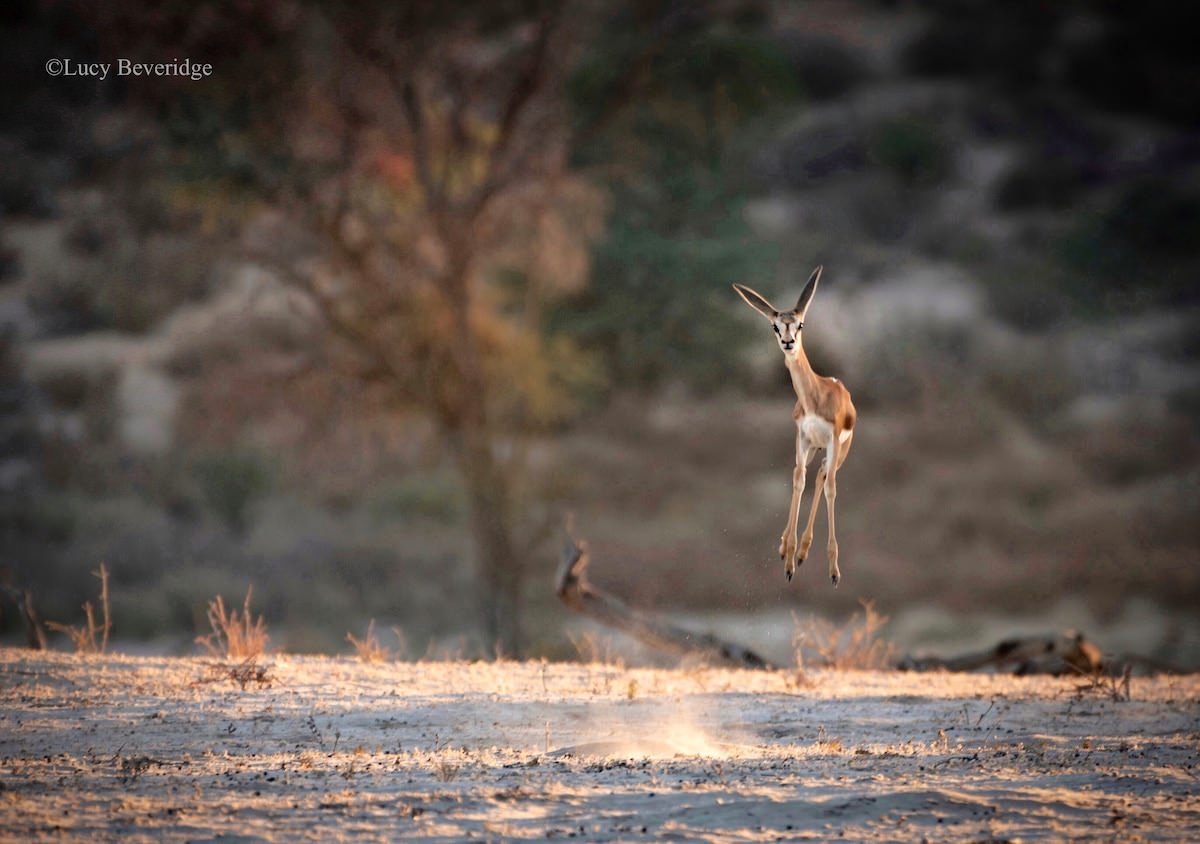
(172, 749)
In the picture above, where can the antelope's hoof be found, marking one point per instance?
(788, 574)
(787, 552)
(835, 578)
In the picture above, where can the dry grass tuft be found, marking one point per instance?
(243, 673)
(445, 771)
(1115, 687)
(234, 636)
(854, 645)
(369, 648)
(85, 638)
(826, 743)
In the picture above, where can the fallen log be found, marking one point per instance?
(574, 590)
(1067, 654)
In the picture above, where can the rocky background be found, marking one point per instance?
(1006, 199)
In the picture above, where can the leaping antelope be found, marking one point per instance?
(824, 418)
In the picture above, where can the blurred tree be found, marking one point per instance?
(450, 220)
(418, 153)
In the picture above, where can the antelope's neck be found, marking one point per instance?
(804, 380)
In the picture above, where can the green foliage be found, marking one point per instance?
(707, 77)
(658, 306)
(722, 62)
(45, 519)
(215, 127)
(231, 482)
(437, 496)
(914, 150)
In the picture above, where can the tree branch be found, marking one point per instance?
(573, 589)
(530, 79)
(410, 99)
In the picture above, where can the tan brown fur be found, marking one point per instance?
(825, 418)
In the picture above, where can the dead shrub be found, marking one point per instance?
(85, 638)
(234, 635)
(853, 645)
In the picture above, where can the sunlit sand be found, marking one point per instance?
(333, 749)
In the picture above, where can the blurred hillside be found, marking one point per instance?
(1006, 199)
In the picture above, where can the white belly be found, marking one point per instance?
(818, 432)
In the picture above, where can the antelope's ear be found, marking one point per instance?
(807, 294)
(757, 302)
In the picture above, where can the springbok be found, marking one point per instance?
(824, 417)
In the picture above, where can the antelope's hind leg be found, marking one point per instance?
(807, 538)
(787, 542)
(834, 459)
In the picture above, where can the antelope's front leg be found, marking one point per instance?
(787, 542)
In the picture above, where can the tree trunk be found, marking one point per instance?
(500, 568)
(466, 419)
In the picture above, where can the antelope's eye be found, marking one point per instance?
(776, 327)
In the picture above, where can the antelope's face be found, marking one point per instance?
(787, 331)
(787, 325)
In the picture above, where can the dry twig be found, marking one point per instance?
(35, 635)
(85, 638)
